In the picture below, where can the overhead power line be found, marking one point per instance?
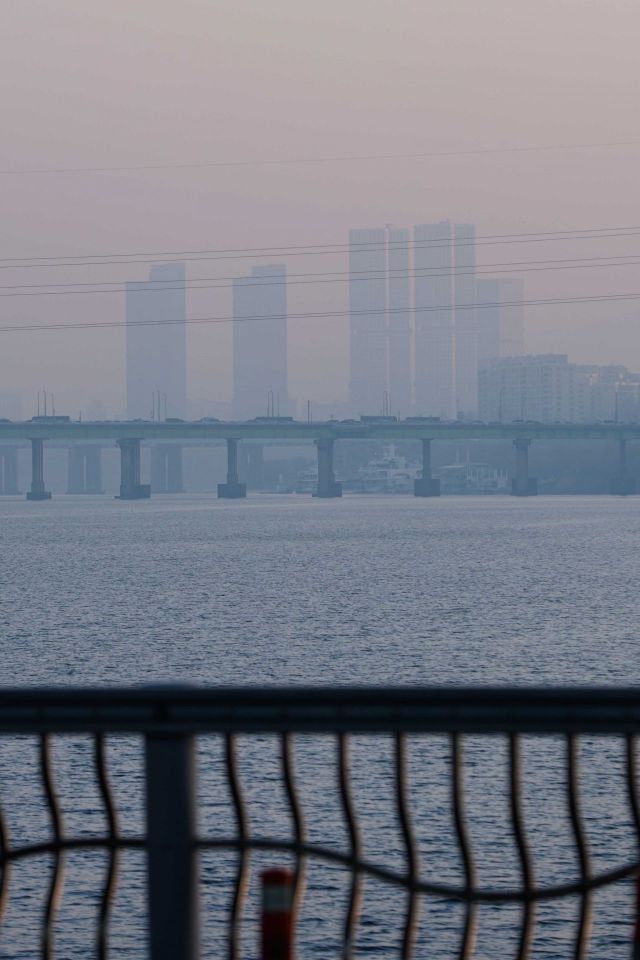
(324, 315)
(339, 158)
(427, 271)
(118, 287)
(319, 249)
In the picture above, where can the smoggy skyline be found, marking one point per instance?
(200, 83)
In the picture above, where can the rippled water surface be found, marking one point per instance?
(294, 590)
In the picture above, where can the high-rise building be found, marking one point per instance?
(380, 321)
(434, 328)
(500, 318)
(368, 379)
(511, 317)
(399, 324)
(260, 382)
(466, 330)
(156, 344)
(489, 318)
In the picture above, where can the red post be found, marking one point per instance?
(277, 914)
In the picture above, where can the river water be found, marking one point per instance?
(289, 590)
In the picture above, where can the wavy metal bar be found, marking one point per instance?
(582, 936)
(295, 807)
(57, 875)
(410, 846)
(520, 836)
(113, 836)
(82, 843)
(353, 908)
(467, 942)
(445, 891)
(423, 887)
(242, 846)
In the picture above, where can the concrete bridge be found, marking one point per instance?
(84, 455)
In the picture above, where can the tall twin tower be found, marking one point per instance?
(416, 334)
(420, 320)
(156, 354)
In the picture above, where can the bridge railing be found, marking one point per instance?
(170, 719)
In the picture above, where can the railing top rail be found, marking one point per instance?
(175, 709)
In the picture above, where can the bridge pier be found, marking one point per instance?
(623, 485)
(328, 487)
(130, 486)
(166, 468)
(85, 469)
(522, 485)
(8, 471)
(232, 489)
(37, 491)
(426, 486)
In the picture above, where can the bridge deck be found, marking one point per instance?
(301, 430)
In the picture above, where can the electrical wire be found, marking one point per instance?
(295, 161)
(325, 249)
(222, 283)
(328, 315)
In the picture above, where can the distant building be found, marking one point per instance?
(489, 319)
(547, 388)
(260, 381)
(434, 327)
(527, 388)
(612, 391)
(627, 402)
(368, 379)
(428, 365)
(379, 321)
(511, 316)
(500, 318)
(156, 344)
(399, 321)
(465, 322)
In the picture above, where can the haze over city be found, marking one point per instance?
(239, 83)
(319, 479)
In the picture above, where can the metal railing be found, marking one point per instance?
(170, 718)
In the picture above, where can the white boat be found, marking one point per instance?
(390, 473)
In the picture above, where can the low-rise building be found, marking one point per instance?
(548, 388)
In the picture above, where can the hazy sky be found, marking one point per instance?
(86, 84)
